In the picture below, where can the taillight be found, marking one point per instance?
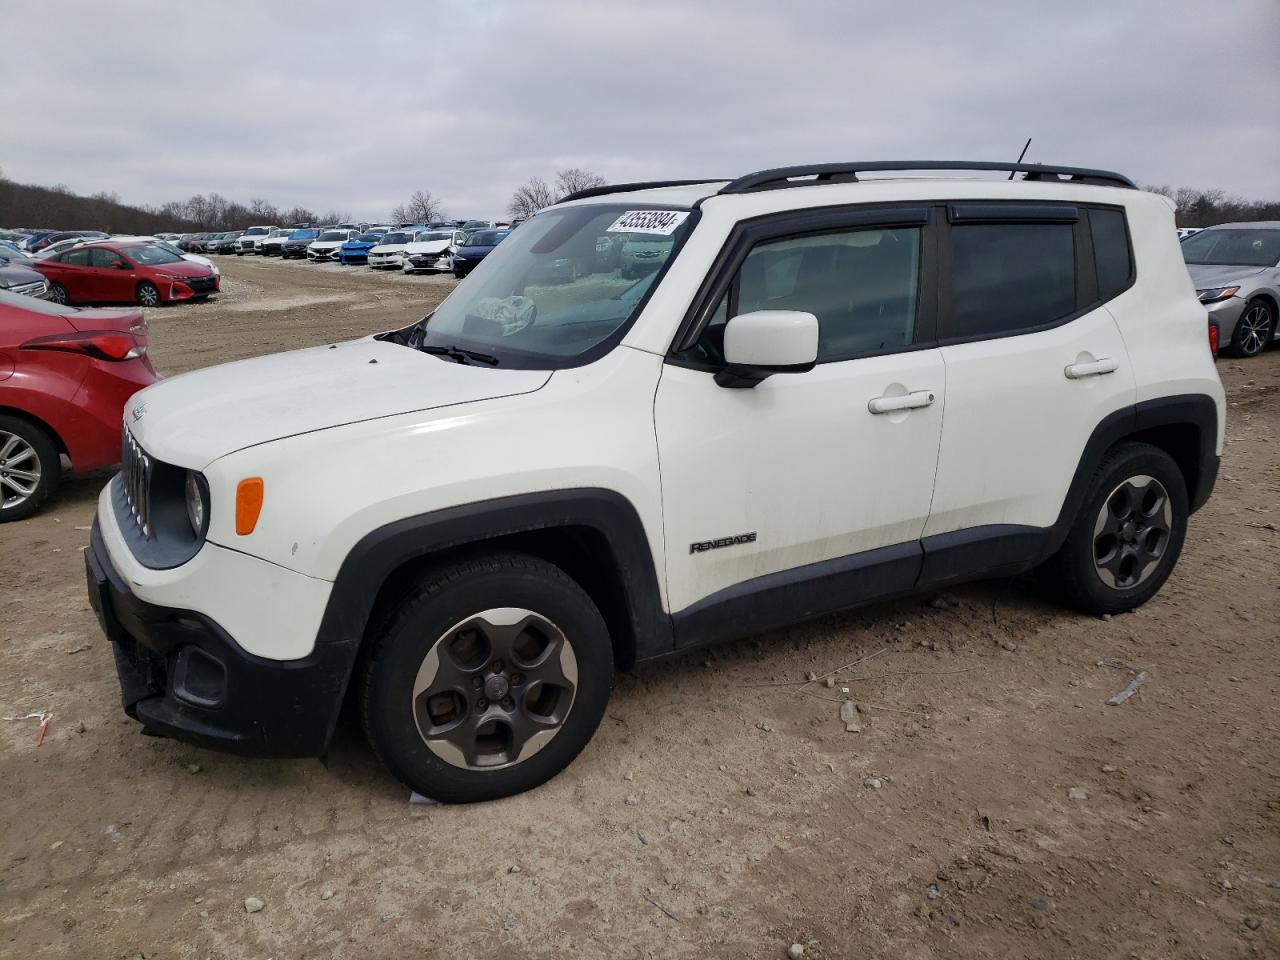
(99, 344)
(1213, 339)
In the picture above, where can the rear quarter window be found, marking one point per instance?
(1112, 257)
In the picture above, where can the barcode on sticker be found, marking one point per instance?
(663, 223)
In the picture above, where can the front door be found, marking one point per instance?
(810, 491)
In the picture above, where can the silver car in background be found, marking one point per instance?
(1236, 270)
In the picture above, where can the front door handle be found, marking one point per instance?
(1094, 368)
(909, 401)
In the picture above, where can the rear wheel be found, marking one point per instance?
(29, 468)
(488, 679)
(1128, 535)
(1254, 329)
(148, 294)
(58, 294)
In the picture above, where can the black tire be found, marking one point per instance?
(1139, 555)
(1254, 329)
(148, 294)
(58, 294)
(443, 600)
(458, 273)
(47, 462)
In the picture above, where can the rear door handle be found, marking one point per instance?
(1094, 368)
(910, 401)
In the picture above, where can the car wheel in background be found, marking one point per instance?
(148, 294)
(29, 468)
(1254, 329)
(57, 294)
(488, 679)
(1128, 534)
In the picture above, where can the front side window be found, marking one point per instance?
(862, 285)
(557, 288)
(1007, 277)
(102, 257)
(1233, 247)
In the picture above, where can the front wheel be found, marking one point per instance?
(148, 294)
(488, 679)
(29, 468)
(1128, 535)
(1254, 330)
(57, 294)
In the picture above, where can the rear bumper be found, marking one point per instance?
(183, 676)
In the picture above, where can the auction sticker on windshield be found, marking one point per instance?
(663, 223)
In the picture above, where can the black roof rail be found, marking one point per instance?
(642, 185)
(781, 177)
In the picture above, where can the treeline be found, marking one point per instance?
(216, 212)
(1204, 208)
(24, 205)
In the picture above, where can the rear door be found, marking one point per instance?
(1034, 362)
(793, 497)
(72, 270)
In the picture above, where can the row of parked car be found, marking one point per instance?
(437, 247)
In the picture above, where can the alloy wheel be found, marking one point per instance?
(1254, 329)
(19, 470)
(58, 294)
(148, 295)
(495, 689)
(1132, 532)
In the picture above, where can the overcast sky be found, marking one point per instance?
(354, 105)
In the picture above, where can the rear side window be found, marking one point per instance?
(1008, 277)
(1111, 255)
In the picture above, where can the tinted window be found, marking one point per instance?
(861, 285)
(1110, 251)
(102, 257)
(1010, 276)
(77, 258)
(1221, 246)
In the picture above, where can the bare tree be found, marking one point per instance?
(421, 208)
(575, 179)
(531, 197)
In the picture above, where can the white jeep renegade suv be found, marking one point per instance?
(828, 390)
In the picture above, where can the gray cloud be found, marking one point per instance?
(340, 104)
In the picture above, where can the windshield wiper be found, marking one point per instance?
(459, 355)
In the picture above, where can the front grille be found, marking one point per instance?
(200, 284)
(135, 471)
(37, 288)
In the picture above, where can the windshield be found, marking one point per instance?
(484, 238)
(558, 287)
(371, 237)
(256, 232)
(303, 234)
(1233, 247)
(397, 238)
(333, 235)
(150, 254)
(429, 237)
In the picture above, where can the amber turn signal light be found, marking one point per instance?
(248, 505)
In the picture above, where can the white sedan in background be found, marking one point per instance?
(390, 252)
(431, 251)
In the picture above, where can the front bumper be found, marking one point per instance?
(1227, 313)
(322, 254)
(187, 289)
(380, 260)
(428, 262)
(183, 676)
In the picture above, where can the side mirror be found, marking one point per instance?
(760, 344)
(121, 265)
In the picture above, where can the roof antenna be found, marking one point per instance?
(1020, 156)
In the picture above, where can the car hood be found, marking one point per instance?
(14, 273)
(1207, 276)
(193, 419)
(357, 245)
(427, 246)
(473, 252)
(389, 248)
(183, 268)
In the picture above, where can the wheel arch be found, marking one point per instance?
(58, 443)
(594, 535)
(1183, 426)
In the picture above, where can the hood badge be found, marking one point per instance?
(138, 411)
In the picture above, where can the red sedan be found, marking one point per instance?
(65, 377)
(125, 272)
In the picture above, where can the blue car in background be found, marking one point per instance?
(475, 246)
(357, 250)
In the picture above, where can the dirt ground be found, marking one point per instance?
(721, 810)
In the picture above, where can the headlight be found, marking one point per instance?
(1214, 294)
(197, 508)
(171, 276)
